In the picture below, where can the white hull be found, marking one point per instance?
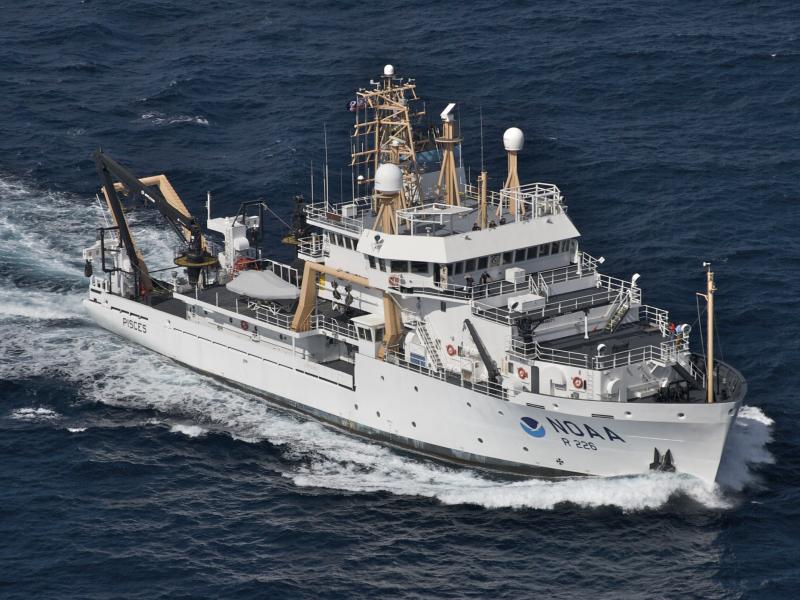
(433, 417)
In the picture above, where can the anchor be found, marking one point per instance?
(662, 463)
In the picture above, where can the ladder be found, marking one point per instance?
(620, 309)
(430, 344)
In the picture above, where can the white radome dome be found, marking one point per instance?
(388, 71)
(388, 179)
(513, 139)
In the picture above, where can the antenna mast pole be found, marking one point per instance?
(325, 132)
(709, 296)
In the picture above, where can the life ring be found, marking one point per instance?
(451, 350)
(577, 383)
(245, 325)
(394, 281)
(522, 373)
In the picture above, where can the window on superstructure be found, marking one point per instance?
(563, 246)
(399, 266)
(419, 267)
(371, 261)
(533, 252)
(379, 334)
(519, 255)
(458, 268)
(469, 265)
(349, 243)
(544, 250)
(382, 264)
(508, 257)
(554, 248)
(483, 262)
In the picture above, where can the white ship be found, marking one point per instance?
(428, 313)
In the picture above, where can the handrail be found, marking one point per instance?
(328, 215)
(488, 388)
(314, 246)
(666, 353)
(323, 323)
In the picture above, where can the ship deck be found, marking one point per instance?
(629, 336)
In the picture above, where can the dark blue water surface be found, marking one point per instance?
(672, 131)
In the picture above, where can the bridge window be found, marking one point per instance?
(544, 250)
(458, 268)
(533, 252)
(508, 257)
(470, 265)
(371, 261)
(554, 248)
(399, 266)
(519, 256)
(419, 267)
(382, 264)
(483, 262)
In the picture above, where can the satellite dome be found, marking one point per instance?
(388, 71)
(513, 139)
(388, 179)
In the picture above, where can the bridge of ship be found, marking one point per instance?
(536, 200)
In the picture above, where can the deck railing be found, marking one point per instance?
(532, 200)
(665, 353)
(482, 387)
(332, 215)
(611, 289)
(314, 246)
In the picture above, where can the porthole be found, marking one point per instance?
(413, 423)
(555, 405)
(480, 440)
(628, 414)
(730, 411)
(382, 378)
(356, 405)
(377, 412)
(416, 389)
(525, 448)
(468, 404)
(499, 412)
(681, 416)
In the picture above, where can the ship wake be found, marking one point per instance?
(44, 333)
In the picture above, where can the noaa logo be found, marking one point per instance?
(532, 427)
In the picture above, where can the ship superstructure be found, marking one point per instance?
(428, 312)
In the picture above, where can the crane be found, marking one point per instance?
(156, 190)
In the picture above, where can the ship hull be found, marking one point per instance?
(531, 434)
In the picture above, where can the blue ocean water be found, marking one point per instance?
(671, 129)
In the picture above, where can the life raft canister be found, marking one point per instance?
(522, 373)
(245, 325)
(577, 383)
(451, 350)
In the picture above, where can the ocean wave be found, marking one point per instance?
(34, 414)
(158, 118)
(192, 431)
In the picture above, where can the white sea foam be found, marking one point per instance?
(189, 430)
(32, 303)
(158, 118)
(746, 448)
(34, 414)
(76, 429)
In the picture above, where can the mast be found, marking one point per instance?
(709, 296)
(448, 177)
(710, 289)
